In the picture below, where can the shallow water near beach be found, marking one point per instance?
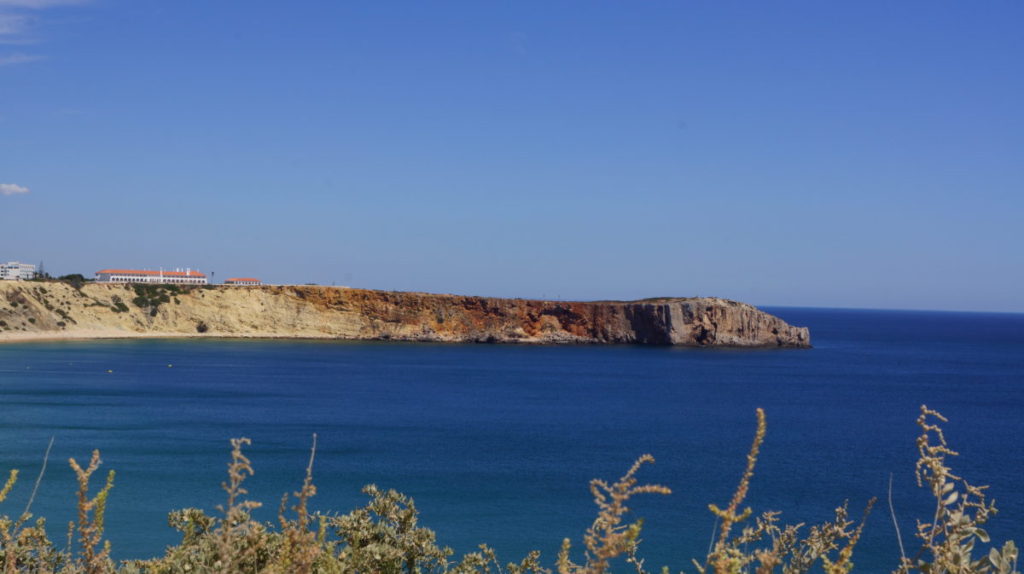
(497, 443)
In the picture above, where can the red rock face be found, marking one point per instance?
(428, 317)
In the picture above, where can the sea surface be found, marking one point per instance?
(497, 443)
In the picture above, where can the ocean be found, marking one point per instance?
(497, 443)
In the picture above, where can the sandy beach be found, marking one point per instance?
(91, 334)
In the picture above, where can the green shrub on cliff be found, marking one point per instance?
(152, 296)
(118, 305)
(76, 280)
(385, 537)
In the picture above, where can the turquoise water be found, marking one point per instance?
(497, 443)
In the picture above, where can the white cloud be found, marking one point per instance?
(38, 3)
(14, 59)
(12, 24)
(12, 189)
(16, 18)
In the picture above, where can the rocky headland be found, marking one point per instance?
(57, 310)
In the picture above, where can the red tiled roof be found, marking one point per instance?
(244, 279)
(192, 273)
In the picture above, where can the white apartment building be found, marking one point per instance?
(178, 276)
(14, 271)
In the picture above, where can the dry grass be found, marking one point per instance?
(384, 536)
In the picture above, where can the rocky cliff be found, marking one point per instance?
(59, 310)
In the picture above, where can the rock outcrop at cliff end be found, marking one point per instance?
(41, 309)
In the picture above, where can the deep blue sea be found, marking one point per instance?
(497, 443)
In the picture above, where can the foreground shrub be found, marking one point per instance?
(384, 537)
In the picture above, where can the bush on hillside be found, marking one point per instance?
(385, 536)
(76, 280)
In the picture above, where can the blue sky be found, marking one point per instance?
(864, 154)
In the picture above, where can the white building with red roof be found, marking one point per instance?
(178, 276)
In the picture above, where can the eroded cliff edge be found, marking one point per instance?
(59, 310)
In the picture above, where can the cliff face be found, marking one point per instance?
(32, 310)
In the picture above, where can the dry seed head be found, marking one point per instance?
(607, 537)
(9, 484)
(729, 515)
